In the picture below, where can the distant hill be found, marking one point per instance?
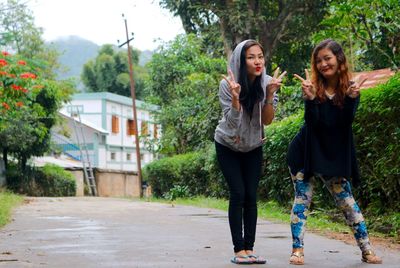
(76, 51)
(145, 57)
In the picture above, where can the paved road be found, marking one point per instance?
(110, 232)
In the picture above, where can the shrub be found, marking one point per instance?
(377, 135)
(51, 180)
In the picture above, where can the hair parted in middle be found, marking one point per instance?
(250, 93)
(319, 80)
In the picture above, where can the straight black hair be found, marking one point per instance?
(250, 93)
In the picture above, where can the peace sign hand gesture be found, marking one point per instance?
(308, 88)
(354, 90)
(276, 82)
(234, 87)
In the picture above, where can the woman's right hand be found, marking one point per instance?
(234, 87)
(308, 88)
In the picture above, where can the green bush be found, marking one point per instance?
(198, 171)
(50, 180)
(55, 181)
(377, 135)
(276, 183)
(183, 170)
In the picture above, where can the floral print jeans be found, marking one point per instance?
(340, 189)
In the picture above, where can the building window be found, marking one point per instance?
(130, 127)
(128, 157)
(113, 156)
(115, 124)
(144, 129)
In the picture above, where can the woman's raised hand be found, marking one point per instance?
(233, 85)
(308, 88)
(354, 90)
(276, 82)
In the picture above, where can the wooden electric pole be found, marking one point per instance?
(133, 95)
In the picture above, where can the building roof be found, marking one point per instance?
(115, 98)
(61, 161)
(85, 123)
(374, 77)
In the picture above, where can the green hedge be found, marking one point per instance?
(50, 180)
(377, 136)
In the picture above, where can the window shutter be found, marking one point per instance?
(115, 124)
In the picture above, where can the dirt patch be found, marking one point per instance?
(348, 238)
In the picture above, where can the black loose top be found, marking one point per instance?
(325, 142)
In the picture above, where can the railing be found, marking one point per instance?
(68, 147)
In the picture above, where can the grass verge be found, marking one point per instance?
(7, 202)
(319, 221)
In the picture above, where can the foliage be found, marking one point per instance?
(7, 202)
(272, 23)
(29, 106)
(184, 81)
(50, 180)
(275, 183)
(369, 30)
(377, 132)
(109, 72)
(183, 170)
(290, 102)
(18, 33)
(177, 192)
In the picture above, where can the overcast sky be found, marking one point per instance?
(101, 22)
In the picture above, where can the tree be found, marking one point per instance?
(184, 82)
(29, 106)
(369, 30)
(109, 72)
(18, 33)
(270, 22)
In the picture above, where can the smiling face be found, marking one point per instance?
(327, 63)
(254, 61)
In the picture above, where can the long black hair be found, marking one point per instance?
(250, 93)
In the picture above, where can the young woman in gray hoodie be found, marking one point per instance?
(248, 99)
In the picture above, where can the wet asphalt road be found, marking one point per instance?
(112, 232)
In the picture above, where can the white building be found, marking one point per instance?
(109, 131)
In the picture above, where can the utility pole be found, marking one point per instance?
(133, 95)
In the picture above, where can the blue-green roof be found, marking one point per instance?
(115, 98)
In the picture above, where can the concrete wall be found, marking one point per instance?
(114, 183)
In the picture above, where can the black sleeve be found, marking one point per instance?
(311, 112)
(350, 108)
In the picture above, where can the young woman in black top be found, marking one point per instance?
(324, 147)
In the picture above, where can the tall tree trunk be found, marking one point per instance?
(5, 157)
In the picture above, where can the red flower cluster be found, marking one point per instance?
(5, 53)
(21, 62)
(3, 62)
(6, 106)
(28, 75)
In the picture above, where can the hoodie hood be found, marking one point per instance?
(234, 64)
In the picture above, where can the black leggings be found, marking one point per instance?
(242, 173)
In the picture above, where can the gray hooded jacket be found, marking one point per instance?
(236, 130)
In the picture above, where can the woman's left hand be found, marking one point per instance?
(354, 90)
(276, 82)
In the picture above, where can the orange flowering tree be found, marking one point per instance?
(28, 109)
(17, 85)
